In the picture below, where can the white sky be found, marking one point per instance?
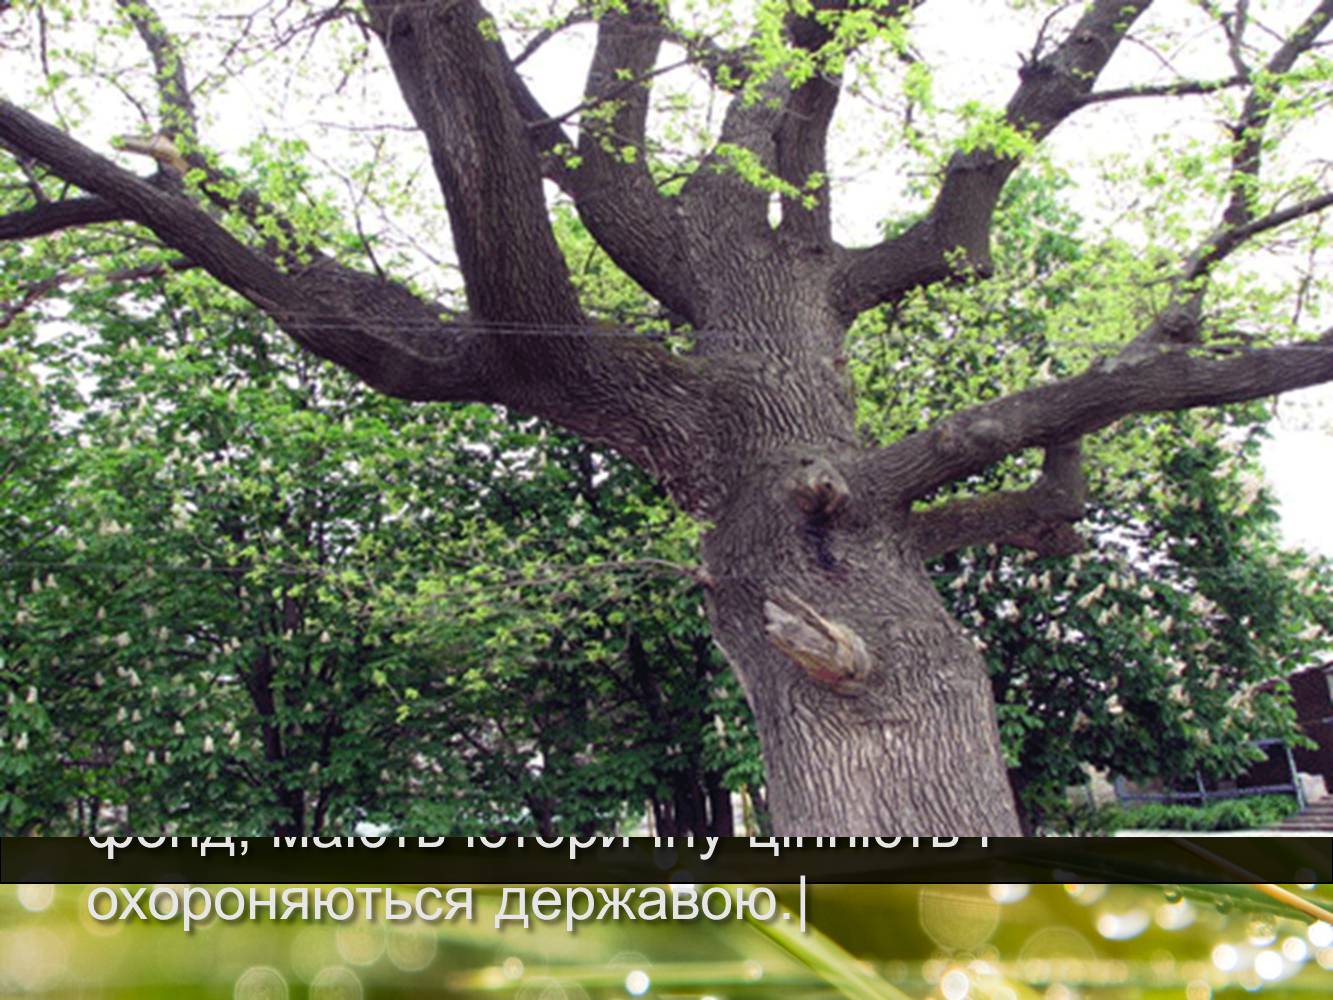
(1299, 463)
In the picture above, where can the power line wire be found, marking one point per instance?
(648, 567)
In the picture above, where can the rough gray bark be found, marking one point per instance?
(873, 706)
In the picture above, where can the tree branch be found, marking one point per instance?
(1249, 130)
(781, 129)
(1169, 377)
(716, 198)
(38, 290)
(577, 16)
(287, 246)
(801, 138)
(1177, 88)
(177, 221)
(800, 146)
(627, 393)
(1039, 518)
(613, 190)
(547, 135)
(1181, 320)
(727, 69)
(955, 237)
(53, 216)
(176, 118)
(1230, 238)
(458, 86)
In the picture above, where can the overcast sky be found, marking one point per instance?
(1299, 462)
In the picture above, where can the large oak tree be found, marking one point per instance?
(873, 704)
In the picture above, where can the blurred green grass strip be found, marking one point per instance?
(825, 958)
(665, 976)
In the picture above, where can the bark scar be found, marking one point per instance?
(159, 147)
(830, 653)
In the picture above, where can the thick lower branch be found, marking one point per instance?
(627, 393)
(1169, 378)
(1039, 518)
(179, 223)
(53, 216)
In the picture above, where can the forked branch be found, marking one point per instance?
(954, 239)
(1169, 377)
(626, 393)
(1039, 518)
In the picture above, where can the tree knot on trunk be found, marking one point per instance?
(818, 489)
(968, 436)
(830, 653)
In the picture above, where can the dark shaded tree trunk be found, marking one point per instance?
(913, 747)
(906, 739)
(1017, 784)
(721, 822)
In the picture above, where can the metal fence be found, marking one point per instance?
(1202, 794)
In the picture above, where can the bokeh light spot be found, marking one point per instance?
(311, 950)
(1295, 950)
(260, 983)
(543, 988)
(1174, 916)
(35, 897)
(960, 918)
(637, 983)
(411, 948)
(1225, 957)
(1122, 926)
(360, 943)
(1086, 893)
(33, 958)
(955, 984)
(1009, 892)
(1268, 964)
(336, 983)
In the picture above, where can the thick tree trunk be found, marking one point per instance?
(911, 747)
(874, 707)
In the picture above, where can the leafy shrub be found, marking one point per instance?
(1250, 813)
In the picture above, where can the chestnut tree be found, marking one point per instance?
(873, 704)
